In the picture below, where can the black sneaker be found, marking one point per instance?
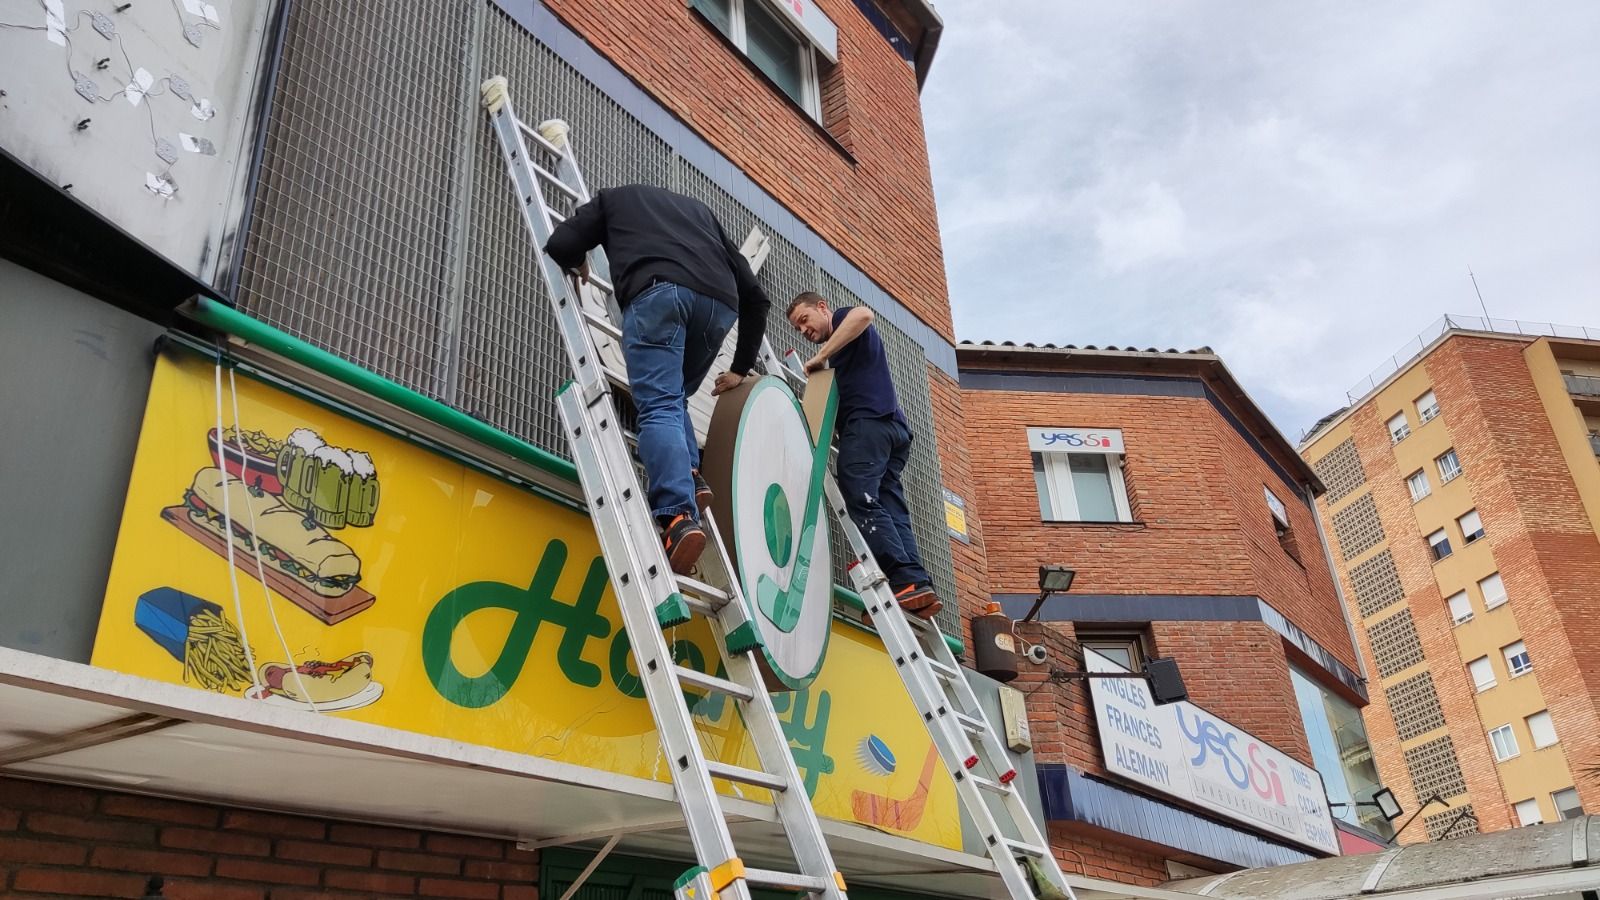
(684, 540)
(703, 497)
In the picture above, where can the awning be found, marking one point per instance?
(69, 722)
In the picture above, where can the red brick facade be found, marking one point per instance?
(1202, 528)
(76, 842)
(1538, 530)
(874, 204)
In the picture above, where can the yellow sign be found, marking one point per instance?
(298, 558)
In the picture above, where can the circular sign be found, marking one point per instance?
(768, 478)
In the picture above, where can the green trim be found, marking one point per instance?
(221, 317)
(687, 878)
(673, 611)
(213, 314)
(744, 639)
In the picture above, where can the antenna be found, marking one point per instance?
(1487, 324)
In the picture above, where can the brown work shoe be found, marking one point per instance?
(915, 599)
(683, 540)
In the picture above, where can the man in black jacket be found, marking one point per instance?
(681, 285)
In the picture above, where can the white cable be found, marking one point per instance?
(255, 542)
(227, 534)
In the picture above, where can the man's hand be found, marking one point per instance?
(816, 364)
(726, 382)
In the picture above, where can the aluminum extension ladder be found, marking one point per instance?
(652, 597)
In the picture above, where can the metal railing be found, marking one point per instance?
(1583, 385)
(1414, 347)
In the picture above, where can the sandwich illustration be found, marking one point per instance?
(300, 548)
(338, 685)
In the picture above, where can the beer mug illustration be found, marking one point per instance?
(362, 508)
(330, 495)
(297, 471)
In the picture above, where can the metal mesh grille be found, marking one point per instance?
(350, 245)
(1376, 583)
(1415, 706)
(1434, 769)
(1394, 644)
(385, 229)
(1340, 470)
(1457, 822)
(1358, 527)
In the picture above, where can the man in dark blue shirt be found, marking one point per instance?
(874, 441)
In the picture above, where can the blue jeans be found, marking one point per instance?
(872, 454)
(670, 338)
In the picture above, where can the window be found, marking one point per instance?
(1471, 526)
(1340, 752)
(1418, 483)
(1528, 812)
(1439, 543)
(1482, 673)
(1460, 608)
(1504, 743)
(1078, 474)
(1427, 407)
(1517, 660)
(778, 44)
(1280, 514)
(1494, 591)
(1567, 804)
(1449, 466)
(1541, 729)
(1398, 429)
(1126, 650)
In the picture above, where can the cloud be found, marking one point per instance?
(1301, 187)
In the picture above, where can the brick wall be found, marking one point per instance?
(1537, 527)
(67, 841)
(1192, 480)
(875, 205)
(955, 461)
(1125, 862)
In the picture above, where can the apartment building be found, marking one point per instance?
(1188, 521)
(1463, 507)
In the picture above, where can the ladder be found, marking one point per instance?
(651, 597)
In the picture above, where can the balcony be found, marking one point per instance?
(1583, 385)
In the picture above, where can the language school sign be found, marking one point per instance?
(1181, 750)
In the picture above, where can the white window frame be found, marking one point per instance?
(1063, 497)
(1443, 541)
(1475, 535)
(1511, 666)
(1492, 603)
(1427, 412)
(1523, 820)
(1447, 475)
(1577, 808)
(1280, 513)
(1401, 431)
(1456, 603)
(810, 73)
(1539, 724)
(1411, 485)
(1482, 685)
(1503, 741)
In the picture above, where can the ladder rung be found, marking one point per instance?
(554, 181)
(716, 596)
(785, 881)
(555, 217)
(745, 776)
(602, 322)
(1025, 849)
(699, 606)
(993, 787)
(972, 725)
(944, 671)
(602, 283)
(532, 132)
(703, 681)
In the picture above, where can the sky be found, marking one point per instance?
(1300, 186)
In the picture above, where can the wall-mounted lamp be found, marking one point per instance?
(1166, 682)
(1382, 800)
(1052, 580)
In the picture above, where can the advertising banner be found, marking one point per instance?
(1183, 751)
(291, 556)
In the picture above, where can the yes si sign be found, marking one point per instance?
(1075, 440)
